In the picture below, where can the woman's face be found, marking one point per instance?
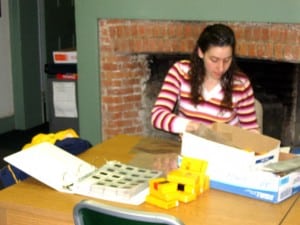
(216, 60)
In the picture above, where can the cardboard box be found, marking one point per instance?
(65, 56)
(257, 184)
(235, 161)
(226, 146)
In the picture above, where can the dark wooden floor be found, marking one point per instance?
(13, 141)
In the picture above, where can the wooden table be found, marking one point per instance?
(292, 217)
(31, 202)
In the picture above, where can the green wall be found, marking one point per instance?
(26, 60)
(87, 12)
(25, 66)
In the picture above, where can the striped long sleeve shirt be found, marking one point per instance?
(176, 93)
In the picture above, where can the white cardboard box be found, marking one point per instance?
(65, 56)
(256, 184)
(229, 146)
(235, 158)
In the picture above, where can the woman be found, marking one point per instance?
(207, 88)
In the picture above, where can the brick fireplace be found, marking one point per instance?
(126, 44)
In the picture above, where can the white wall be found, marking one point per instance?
(6, 90)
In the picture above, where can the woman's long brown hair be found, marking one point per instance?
(213, 35)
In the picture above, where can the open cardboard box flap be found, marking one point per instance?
(286, 156)
(228, 146)
(238, 138)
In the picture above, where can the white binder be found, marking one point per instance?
(65, 172)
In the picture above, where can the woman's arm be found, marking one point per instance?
(162, 115)
(246, 107)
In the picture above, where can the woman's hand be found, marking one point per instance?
(255, 131)
(194, 126)
(165, 162)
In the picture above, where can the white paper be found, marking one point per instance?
(64, 99)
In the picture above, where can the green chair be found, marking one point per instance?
(89, 212)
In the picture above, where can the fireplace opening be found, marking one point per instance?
(275, 86)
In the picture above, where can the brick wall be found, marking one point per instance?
(125, 44)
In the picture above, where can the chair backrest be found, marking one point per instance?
(89, 212)
(259, 114)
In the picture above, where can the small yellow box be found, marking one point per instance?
(194, 165)
(162, 185)
(161, 203)
(183, 177)
(186, 197)
(164, 196)
(204, 184)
